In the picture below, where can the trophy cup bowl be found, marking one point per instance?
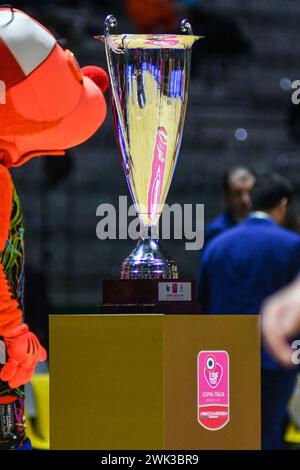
(149, 78)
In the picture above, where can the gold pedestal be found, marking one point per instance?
(130, 381)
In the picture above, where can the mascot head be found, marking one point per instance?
(47, 103)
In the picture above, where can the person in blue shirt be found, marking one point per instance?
(240, 269)
(237, 184)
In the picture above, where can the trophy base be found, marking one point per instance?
(148, 260)
(149, 296)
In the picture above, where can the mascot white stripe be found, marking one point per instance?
(35, 45)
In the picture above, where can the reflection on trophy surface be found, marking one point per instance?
(149, 77)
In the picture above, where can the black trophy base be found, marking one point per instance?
(156, 296)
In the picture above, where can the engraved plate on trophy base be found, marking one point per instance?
(155, 296)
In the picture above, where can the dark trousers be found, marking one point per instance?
(276, 389)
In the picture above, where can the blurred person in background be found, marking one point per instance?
(293, 221)
(237, 184)
(240, 269)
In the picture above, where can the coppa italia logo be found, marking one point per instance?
(213, 389)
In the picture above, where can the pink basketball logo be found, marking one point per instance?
(213, 372)
(213, 389)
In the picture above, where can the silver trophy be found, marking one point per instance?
(149, 78)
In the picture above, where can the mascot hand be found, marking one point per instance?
(24, 352)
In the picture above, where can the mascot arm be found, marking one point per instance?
(10, 312)
(23, 348)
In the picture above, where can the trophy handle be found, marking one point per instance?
(109, 22)
(186, 27)
(112, 47)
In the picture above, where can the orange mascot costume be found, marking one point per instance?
(47, 104)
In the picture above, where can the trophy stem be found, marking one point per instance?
(148, 260)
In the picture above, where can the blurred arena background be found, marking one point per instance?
(239, 111)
